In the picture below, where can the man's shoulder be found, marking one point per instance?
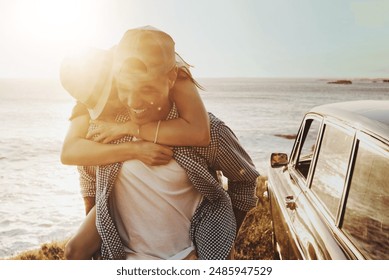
(219, 130)
(214, 121)
(218, 127)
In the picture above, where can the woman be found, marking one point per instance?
(191, 129)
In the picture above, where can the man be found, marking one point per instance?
(168, 211)
(145, 73)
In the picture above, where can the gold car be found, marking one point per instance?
(330, 198)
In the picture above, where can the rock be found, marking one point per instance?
(286, 136)
(341, 82)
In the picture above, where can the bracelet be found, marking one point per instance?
(156, 132)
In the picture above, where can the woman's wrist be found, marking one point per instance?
(132, 129)
(130, 150)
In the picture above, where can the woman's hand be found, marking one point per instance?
(152, 154)
(106, 132)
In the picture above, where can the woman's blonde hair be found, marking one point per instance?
(183, 72)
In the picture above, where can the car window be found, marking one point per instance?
(308, 140)
(331, 168)
(366, 218)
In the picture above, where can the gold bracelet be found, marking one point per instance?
(156, 132)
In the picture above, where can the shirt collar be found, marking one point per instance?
(173, 114)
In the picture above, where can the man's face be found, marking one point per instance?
(147, 101)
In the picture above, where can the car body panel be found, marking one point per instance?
(303, 227)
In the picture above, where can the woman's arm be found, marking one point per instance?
(77, 150)
(190, 129)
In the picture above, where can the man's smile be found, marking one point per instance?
(138, 111)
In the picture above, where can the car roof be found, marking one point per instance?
(367, 115)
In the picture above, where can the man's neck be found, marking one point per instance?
(166, 110)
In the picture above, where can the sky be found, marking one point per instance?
(220, 38)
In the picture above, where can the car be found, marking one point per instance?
(329, 199)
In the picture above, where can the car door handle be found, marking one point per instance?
(290, 202)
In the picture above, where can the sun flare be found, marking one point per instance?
(66, 23)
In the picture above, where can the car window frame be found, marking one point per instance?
(318, 204)
(300, 180)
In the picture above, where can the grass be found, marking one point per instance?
(48, 251)
(253, 241)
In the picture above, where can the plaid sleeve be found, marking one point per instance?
(88, 174)
(239, 169)
(87, 180)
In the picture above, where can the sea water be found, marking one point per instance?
(40, 200)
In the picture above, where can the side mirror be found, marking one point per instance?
(278, 160)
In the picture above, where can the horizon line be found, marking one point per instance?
(229, 77)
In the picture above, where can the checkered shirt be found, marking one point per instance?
(213, 226)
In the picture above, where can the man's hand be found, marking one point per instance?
(152, 154)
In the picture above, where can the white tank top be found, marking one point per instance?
(152, 207)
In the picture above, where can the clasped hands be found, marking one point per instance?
(145, 151)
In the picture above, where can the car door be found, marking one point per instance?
(289, 185)
(302, 157)
(319, 205)
(364, 221)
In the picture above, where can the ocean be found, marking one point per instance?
(40, 200)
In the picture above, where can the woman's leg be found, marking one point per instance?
(87, 240)
(89, 202)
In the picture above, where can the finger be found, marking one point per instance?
(99, 138)
(165, 161)
(167, 147)
(167, 151)
(90, 134)
(107, 140)
(93, 132)
(159, 162)
(164, 157)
